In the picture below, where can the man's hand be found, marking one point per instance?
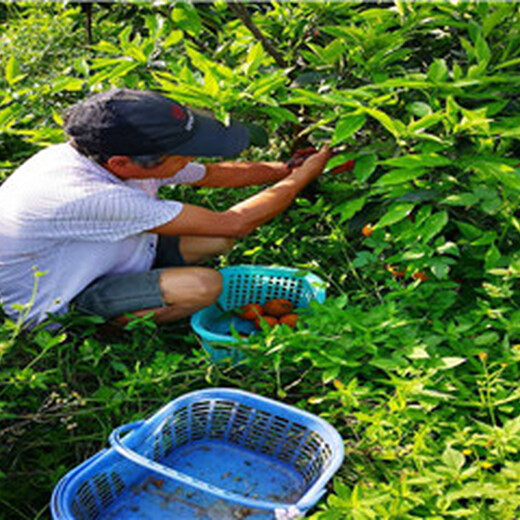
(315, 164)
(302, 154)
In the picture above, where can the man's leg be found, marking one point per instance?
(185, 290)
(196, 250)
(170, 291)
(189, 289)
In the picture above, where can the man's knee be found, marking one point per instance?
(227, 244)
(209, 285)
(196, 286)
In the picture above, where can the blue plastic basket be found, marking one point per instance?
(216, 454)
(243, 284)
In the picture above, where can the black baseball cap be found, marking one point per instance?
(137, 122)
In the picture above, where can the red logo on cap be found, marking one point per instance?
(178, 113)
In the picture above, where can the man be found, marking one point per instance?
(86, 213)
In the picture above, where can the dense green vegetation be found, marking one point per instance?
(414, 356)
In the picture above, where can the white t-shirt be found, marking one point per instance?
(66, 216)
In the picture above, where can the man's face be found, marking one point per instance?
(123, 167)
(170, 165)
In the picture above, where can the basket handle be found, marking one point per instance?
(117, 444)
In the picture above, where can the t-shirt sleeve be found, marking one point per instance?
(192, 172)
(109, 215)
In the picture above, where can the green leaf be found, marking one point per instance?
(453, 459)
(113, 72)
(468, 231)
(474, 121)
(438, 71)
(347, 126)
(279, 114)
(198, 59)
(487, 338)
(67, 84)
(501, 171)
(333, 51)
(254, 58)
(187, 18)
(267, 84)
(419, 109)
(482, 51)
(492, 257)
(9, 116)
(107, 47)
(452, 362)
(173, 38)
(400, 176)
(349, 208)
(461, 199)
(12, 71)
(500, 14)
(440, 267)
(428, 160)
(434, 225)
(306, 97)
(211, 84)
(396, 213)
(365, 166)
(394, 126)
(508, 63)
(425, 122)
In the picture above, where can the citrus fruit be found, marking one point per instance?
(278, 307)
(289, 319)
(367, 230)
(250, 311)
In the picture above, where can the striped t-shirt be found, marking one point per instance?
(68, 217)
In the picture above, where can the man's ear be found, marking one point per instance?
(119, 164)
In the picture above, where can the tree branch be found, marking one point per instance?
(242, 13)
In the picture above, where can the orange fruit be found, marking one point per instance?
(289, 319)
(269, 320)
(347, 166)
(278, 307)
(367, 230)
(420, 275)
(391, 269)
(251, 311)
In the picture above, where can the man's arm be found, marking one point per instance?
(251, 213)
(239, 174)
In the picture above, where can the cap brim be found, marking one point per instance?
(213, 139)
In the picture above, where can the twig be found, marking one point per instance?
(87, 9)
(242, 13)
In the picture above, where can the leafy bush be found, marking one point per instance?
(414, 356)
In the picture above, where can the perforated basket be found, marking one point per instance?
(245, 284)
(218, 454)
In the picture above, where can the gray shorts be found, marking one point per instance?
(119, 294)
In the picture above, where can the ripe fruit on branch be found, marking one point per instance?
(420, 275)
(347, 166)
(394, 271)
(367, 230)
(251, 311)
(278, 307)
